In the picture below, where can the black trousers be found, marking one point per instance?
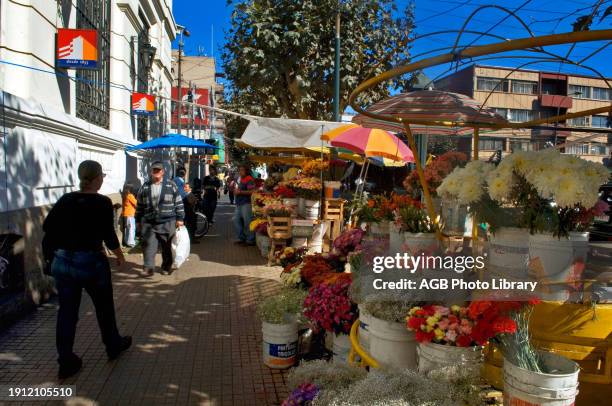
(73, 272)
(209, 206)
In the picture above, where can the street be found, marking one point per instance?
(196, 337)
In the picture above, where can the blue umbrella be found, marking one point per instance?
(172, 141)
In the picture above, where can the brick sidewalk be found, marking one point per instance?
(196, 337)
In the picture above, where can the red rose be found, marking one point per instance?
(423, 337)
(504, 325)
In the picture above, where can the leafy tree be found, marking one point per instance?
(279, 54)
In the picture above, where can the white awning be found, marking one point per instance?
(286, 133)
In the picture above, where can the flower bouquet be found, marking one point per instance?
(290, 255)
(329, 308)
(308, 188)
(285, 192)
(435, 173)
(277, 209)
(349, 241)
(259, 226)
(314, 167)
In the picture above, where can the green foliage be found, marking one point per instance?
(282, 307)
(415, 220)
(279, 55)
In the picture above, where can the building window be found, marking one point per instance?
(520, 145)
(491, 144)
(599, 148)
(579, 92)
(577, 149)
(93, 85)
(601, 122)
(520, 115)
(601, 93)
(524, 87)
(501, 111)
(492, 84)
(578, 122)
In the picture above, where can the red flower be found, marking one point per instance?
(429, 310)
(504, 325)
(424, 337)
(415, 323)
(463, 341)
(478, 307)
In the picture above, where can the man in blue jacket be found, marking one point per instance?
(159, 212)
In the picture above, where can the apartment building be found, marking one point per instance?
(53, 117)
(523, 95)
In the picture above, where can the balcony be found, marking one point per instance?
(555, 100)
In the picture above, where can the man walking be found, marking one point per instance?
(189, 201)
(159, 213)
(211, 184)
(244, 213)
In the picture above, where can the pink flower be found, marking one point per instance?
(600, 208)
(451, 336)
(443, 310)
(443, 324)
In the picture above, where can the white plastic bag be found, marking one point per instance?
(180, 246)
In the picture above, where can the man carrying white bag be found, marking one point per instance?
(180, 246)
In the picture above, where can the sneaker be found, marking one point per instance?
(69, 368)
(124, 344)
(148, 272)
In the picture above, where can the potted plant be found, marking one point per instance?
(377, 213)
(387, 340)
(445, 336)
(414, 230)
(329, 308)
(557, 197)
(280, 316)
(308, 190)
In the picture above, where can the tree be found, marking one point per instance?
(279, 54)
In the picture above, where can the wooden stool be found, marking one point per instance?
(333, 211)
(279, 231)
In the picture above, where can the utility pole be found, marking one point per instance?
(183, 31)
(337, 69)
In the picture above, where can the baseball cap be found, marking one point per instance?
(157, 165)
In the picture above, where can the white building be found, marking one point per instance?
(53, 118)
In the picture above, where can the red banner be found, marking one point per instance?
(200, 115)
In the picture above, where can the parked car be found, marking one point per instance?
(602, 227)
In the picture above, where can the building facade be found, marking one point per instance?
(52, 118)
(524, 95)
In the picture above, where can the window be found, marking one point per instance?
(491, 144)
(93, 85)
(492, 84)
(599, 148)
(520, 145)
(577, 149)
(579, 92)
(520, 115)
(524, 87)
(601, 122)
(501, 112)
(601, 93)
(578, 122)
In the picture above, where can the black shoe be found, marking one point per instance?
(69, 368)
(124, 344)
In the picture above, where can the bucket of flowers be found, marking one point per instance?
(329, 309)
(260, 227)
(287, 195)
(414, 231)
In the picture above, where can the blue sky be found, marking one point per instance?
(207, 20)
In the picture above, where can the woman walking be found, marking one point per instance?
(77, 226)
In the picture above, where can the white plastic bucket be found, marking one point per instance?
(527, 388)
(392, 344)
(364, 328)
(557, 261)
(341, 348)
(292, 204)
(434, 356)
(300, 207)
(311, 209)
(509, 252)
(263, 243)
(299, 242)
(417, 243)
(280, 344)
(396, 239)
(453, 216)
(380, 230)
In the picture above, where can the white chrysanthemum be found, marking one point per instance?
(546, 183)
(500, 182)
(470, 192)
(568, 192)
(522, 161)
(450, 186)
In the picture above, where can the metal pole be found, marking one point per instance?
(337, 69)
(180, 82)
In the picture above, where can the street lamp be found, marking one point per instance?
(147, 53)
(181, 31)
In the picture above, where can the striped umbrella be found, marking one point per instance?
(426, 108)
(373, 142)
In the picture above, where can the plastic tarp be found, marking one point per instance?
(272, 133)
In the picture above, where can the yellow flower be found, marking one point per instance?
(455, 308)
(439, 334)
(426, 328)
(432, 320)
(413, 310)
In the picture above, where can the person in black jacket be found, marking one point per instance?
(211, 184)
(159, 212)
(77, 225)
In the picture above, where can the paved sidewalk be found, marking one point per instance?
(196, 337)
